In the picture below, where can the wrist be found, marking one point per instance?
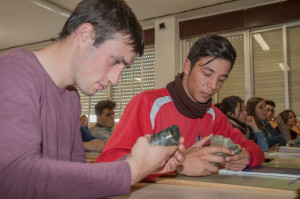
(133, 170)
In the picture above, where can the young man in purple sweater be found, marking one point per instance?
(41, 147)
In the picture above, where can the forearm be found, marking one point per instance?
(261, 140)
(46, 178)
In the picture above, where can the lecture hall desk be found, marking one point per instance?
(218, 185)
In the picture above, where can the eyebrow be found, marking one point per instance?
(211, 70)
(125, 62)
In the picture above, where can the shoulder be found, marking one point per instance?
(20, 65)
(152, 96)
(97, 129)
(18, 58)
(215, 113)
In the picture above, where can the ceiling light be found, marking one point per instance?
(53, 7)
(281, 65)
(260, 40)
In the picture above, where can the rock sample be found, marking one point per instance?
(167, 137)
(219, 140)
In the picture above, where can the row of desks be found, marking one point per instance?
(224, 185)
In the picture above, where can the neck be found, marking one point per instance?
(56, 60)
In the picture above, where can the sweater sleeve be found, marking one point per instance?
(274, 137)
(284, 132)
(261, 140)
(24, 171)
(86, 137)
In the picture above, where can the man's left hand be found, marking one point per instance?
(239, 161)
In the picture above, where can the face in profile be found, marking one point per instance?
(260, 110)
(292, 121)
(83, 121)
(239, 113)
(270, 112)
(203, 80)
(97, 67)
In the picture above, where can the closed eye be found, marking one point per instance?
(222, 80)
(116, 61)
(206, 73)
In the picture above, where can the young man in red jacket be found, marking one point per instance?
(187, 102)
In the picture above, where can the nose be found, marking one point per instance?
(265, 109)
(213, 83)
(115, 76)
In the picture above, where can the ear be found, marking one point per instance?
(85, 34)
(187, 67)
(229, 114)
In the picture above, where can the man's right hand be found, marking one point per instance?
(198, 159)
(146, 159)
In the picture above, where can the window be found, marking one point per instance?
(268, 67)
(268, 74)
(138, 78)
(235, 84)
(293, 59)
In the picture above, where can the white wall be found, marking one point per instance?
(167, 57)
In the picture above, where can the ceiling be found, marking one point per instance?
(23, 22)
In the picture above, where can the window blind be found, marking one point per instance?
(235, 83)
(138, 78)
(268, 77)
(293, 47)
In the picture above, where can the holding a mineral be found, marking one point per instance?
(187, 103)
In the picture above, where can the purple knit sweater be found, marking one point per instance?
(41, 152)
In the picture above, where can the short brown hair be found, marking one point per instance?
(104, 104)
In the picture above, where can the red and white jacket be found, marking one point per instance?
(152, 111)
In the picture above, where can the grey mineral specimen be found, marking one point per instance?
(167, 137)
(219, 140)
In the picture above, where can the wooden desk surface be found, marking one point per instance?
(286, 186)
(284, 162)
(171, 191)
(91, 156)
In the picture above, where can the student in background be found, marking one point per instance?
(234, 108)
(290, 120)
(90, 143)
(276, 121)
(256, 107)
(84, 122)
(44, 156)
(187, 102)
(105, 120)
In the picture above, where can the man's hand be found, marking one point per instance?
(174, 160)
(94, 145)
(145, 159)
(198, 159)
(239, 161)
